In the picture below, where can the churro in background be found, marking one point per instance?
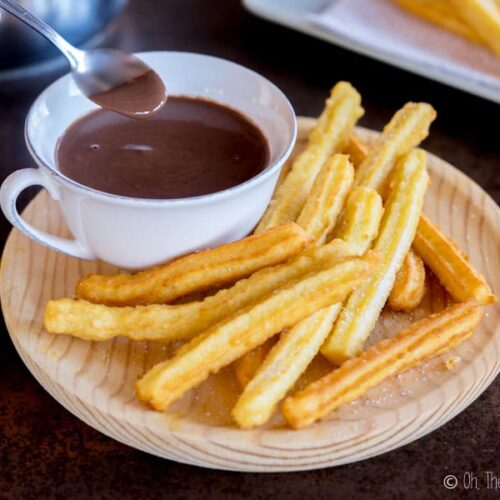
(443, 14)
(478, 21)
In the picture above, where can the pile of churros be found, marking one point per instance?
(343, 237)
(475, 20)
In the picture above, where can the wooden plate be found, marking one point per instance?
(95, 380)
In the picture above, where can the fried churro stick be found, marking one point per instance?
(227, 341)
(329, 136)
(327, 197)
(421, 341)
(359, 224)
(317, 218)
(408, 127)
(441, 13)
(282, 367)
(356, 149)
(409, 287)
(247, 366)
(196, 271)
(450, 264)
(296, 347)
(169, 322)
(483, 16)
(397, 230)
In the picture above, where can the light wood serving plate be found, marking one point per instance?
(95, 381)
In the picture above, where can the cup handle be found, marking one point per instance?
(11, 188)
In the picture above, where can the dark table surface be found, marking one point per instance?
(45, 452)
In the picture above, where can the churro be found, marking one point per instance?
(421, 341)
(247, 366)
(442, 14)
(409, 287)
(407, 128)
(397, 230)
(284, 364)
(296, 347)
(359, 224)
(450, 264)
(329, 136)
(326, 198)
(483, 16)
(356, 149)
(227, 341)
(197, 271)
(170, 322)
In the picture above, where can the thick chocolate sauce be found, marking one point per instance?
(139, 98)
(190, 147)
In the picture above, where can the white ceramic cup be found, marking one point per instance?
(135, 233)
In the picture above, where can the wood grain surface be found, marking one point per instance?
(95, 380)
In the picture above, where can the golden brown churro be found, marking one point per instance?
(297, 347)
(397, 229)
(421, 341)
(169, 322)
(483, 16)
(327, 197)
(360, 221)
(407, 128)
(197, 271)
(450, 264)
(246, 367)
(442, 14)
(409, 287)
(329, 136)
(230, 339)
(356, 149)
(282, 367)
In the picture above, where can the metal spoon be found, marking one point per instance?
(111, 78)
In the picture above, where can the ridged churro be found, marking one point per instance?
(282, 367)
(196, 271)
(317, 218)
(442, 14)
(397, 230)
(407, 128)
(227, 341)
(359, 224)
(483, 16)
(421, 341)
(296, 347)
(329, 136)
(409, 287)
(450, 264)
(327, 197)
(170, 322)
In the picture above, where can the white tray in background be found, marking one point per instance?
(296, 14)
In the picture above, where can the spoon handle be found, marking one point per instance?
(17, 10)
